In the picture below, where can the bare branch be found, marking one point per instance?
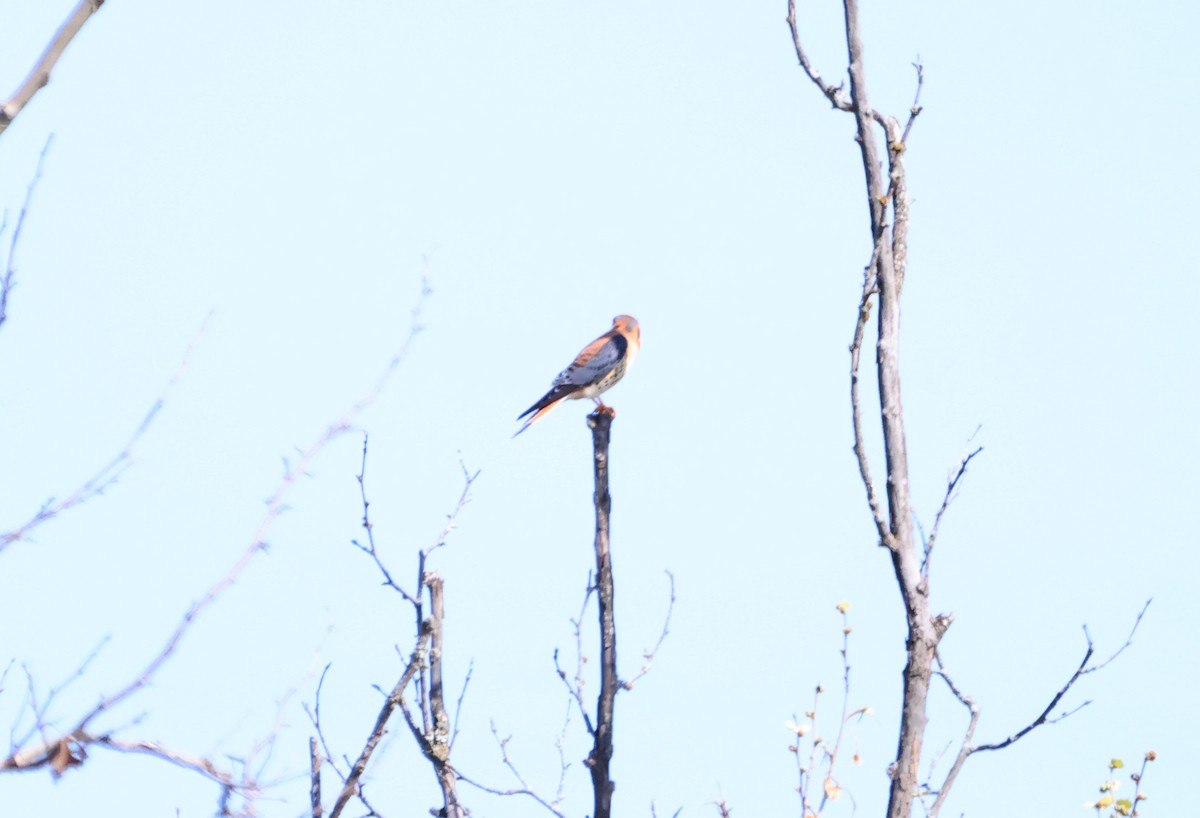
(915, 110)
(394, 699)
(40, 75)
(315, 773)
(576, 687)
(1081, 671)
(898, 185)
(649, 655)
(452, 518)
(10, 268)
(1128, 639)
(458, 705)
(923, 636)
(869, 289)
(523, 790)
(20, 759)
(967, 749)
(39, 711)
(203, 766)
(951, 485)
(314, 715)
(846, 715)
(369, 548)
(560, 744)
(433, 734)
(111, 472)
(600, 422)
(275, 507)
(835, 94)
(439, 741)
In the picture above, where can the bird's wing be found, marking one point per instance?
(595, 361)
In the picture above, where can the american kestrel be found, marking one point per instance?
(596, 369)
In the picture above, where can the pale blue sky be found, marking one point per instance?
(287, 166)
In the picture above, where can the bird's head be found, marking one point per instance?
(627, 325)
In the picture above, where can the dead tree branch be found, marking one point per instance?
(80, 735)
(111, 472)
(951, 485)
(922, 634)
(836, 94)
(524, 789)
(600, 422)
(576, 686)
(40, 75)
(884, 278)
(395, 699)
(314, 791)
(424, 670)
(10, 267)
(967, 749)
(648, 655)
(369, 549)
(869, 289)
(439, 742)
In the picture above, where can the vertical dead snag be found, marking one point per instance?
(600, 422)
(438, 751)
(883, 281)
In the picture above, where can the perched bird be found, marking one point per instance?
(595, 369)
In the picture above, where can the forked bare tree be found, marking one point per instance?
(419, 692)
(883, 284)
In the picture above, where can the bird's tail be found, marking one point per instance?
(538, 415)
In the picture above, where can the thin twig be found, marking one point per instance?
(452, 518)
(42, 755)
(966, 750)
(576, 687)
(915, 110)
(314, 715)
(369, 548)
(458, 705)
(519, 791)
(524, 789)
(648, 655)
(111, 471)
(1044, 716)
(1128, 639)
(10, 268)
(951, 485)
(39, 711)
(560, 744)
(40, 75)
(203, 766)
(837, 743)
(1137, 780)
